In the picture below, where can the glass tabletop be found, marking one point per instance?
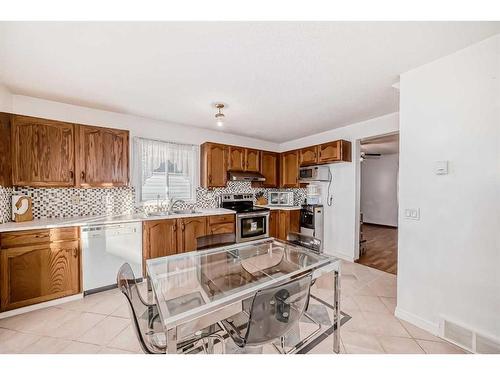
(190, 284)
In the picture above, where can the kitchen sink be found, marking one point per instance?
(174, 212)
(160, 213)
(184, 212)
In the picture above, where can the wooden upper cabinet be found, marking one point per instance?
(5, 151)
(236, 158)
(213, 165)
(270, 169)
(43, 152)
(252, 160)
(334, 151)
(289, 168)
(308, 156)
(189, 229)
(159, 238)
(102, 156)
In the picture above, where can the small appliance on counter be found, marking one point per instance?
(311, 222)
(280, 198)
(22, 208)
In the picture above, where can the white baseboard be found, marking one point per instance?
(41, 305)
(343, 256)
(426, 325)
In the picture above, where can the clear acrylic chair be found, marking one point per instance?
(147, 326)
(272, 313)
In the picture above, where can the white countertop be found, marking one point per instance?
(103, 219)
(286, 208)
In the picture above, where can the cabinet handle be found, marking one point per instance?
(82, 175)
(75, 252)
(71, 174)
(175, 227)
(210, 178)
(183, 227)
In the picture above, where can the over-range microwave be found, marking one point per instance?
(314, 173)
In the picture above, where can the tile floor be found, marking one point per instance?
(100, 323)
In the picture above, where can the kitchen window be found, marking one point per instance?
(165, 170)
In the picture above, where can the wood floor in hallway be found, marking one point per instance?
(381, 248)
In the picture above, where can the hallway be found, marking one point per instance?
(381, 248)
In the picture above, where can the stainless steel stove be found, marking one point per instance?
(252, 222)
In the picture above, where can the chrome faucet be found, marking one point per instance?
(158, 203)
(173, 203)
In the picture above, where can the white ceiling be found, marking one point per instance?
(280, 80)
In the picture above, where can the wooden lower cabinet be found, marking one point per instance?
(220, 224)
(174, 236)
(39, 272)
(190, 229)
(289, 221)
(159, 238)
(274, 223)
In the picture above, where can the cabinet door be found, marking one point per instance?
(283, 224)
(221, 228)
(274, 220)
(38, 273)
(213, 165)
(289, 169)
(308, 155)
(270, 168)
(102, 157)
(236, 158)
(329, 152)
(159, 238)
(190, 229)
(252, 160)
(43, 152)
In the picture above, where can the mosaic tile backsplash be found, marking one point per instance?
(5, 203)
(70, 202)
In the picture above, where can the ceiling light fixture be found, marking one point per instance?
(219, 116)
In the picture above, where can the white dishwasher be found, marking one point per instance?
(105, 249)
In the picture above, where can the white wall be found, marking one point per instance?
(342, 218)
(449, 260)
(138, 126)
(379, 190)
(5, 99)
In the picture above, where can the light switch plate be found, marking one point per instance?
(412, 213)
(441, 167)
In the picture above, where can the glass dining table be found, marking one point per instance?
(211, 285)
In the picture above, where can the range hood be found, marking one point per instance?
(245, 176)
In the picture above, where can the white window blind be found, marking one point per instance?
(166, 170)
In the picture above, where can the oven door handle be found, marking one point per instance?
(253, 214)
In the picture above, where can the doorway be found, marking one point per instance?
(378, 246)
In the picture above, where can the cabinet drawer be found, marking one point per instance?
(40, 236)
(220, 219)
(221, 228)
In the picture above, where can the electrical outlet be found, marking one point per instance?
(412, 213)
(75, 199)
